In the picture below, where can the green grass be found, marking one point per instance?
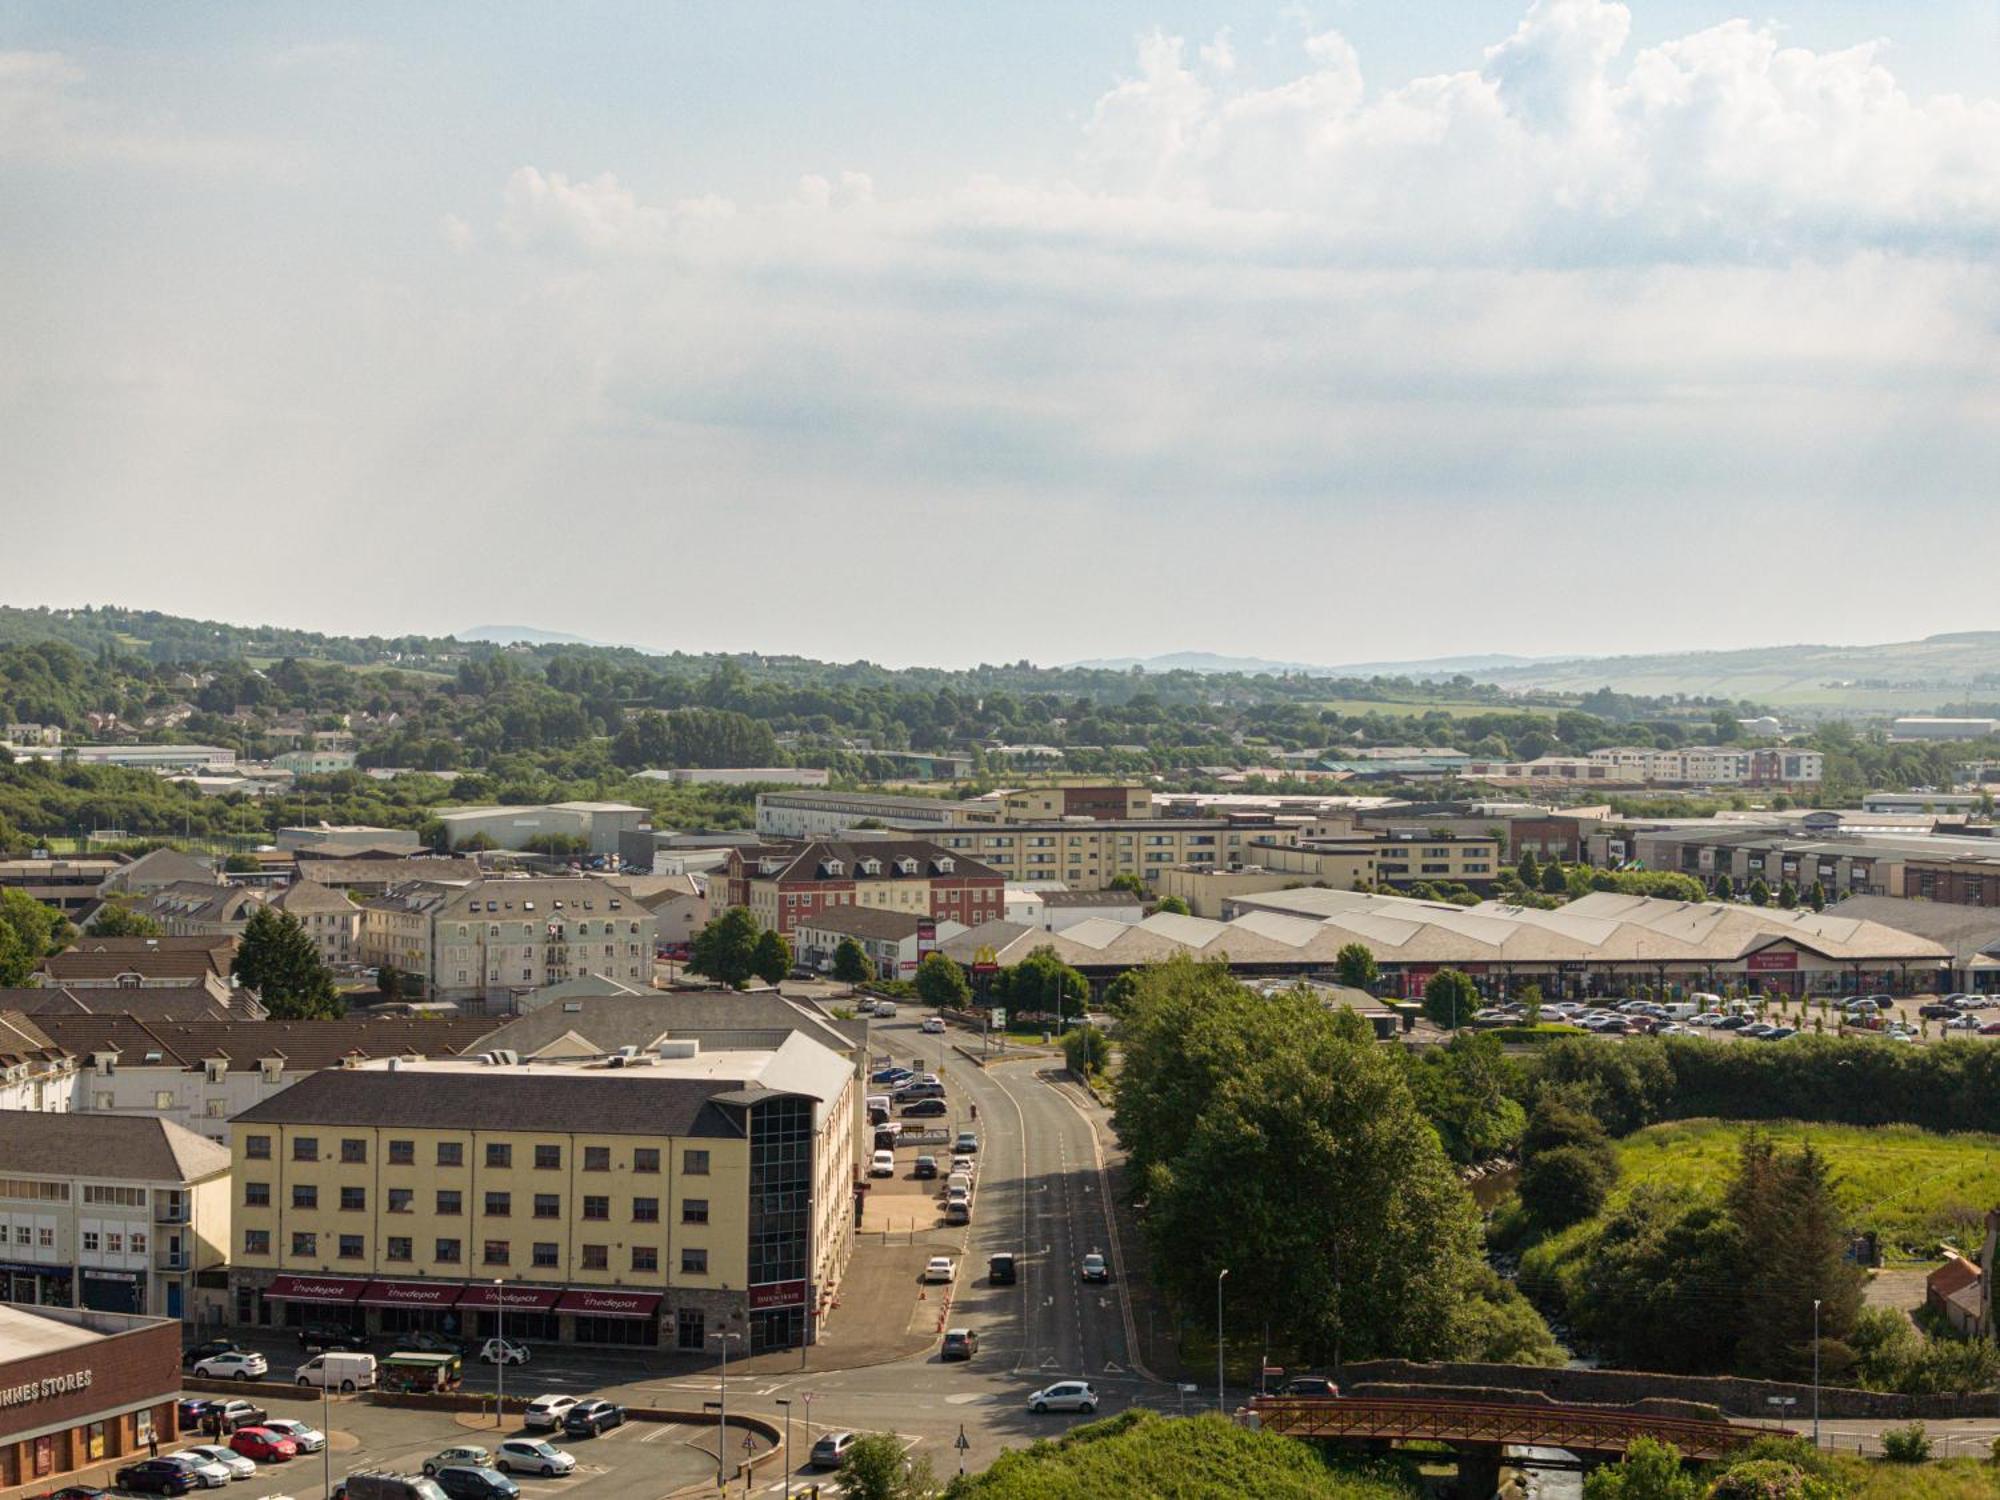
(1950, 1479)
(1912, 1187)
(1457, 710)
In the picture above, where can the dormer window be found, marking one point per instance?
(272, 1069)
(945, 866)
(832, 866)
(871, 867)
(216, 1069)
(906, 867)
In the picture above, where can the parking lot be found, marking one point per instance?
(1909, 1019)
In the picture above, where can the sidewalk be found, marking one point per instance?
(883, 1312)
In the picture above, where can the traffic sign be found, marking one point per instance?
(963, 1442)
(999, 1018)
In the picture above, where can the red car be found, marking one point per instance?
(263, 1445)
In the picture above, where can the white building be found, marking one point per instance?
(742, 776)
(1921, 728)
(894, 941)
(598, 824)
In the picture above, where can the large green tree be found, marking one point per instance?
(771, 959)
(279, 960)
(850, 964)
(1450, 998)
(942, 983)
(1354, 966)
(42, 931)
(117, 919)
(726, 948)
(1469, 1089)
(1043, 983)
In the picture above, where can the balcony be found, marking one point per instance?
(165, 1259)
(170, 1213)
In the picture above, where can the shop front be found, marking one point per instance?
(80, 1387)
(303, 1301)
(47, 1286)
(612, 1316)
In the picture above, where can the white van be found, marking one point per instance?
(1682, 1010)
(337, 1370)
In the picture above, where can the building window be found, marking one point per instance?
(646, 1210)
(447, 1252)
(499, 1205)
(401, 1200)
(353, 1200)
(353, 1151)
(257, 1147)
(548, 1206)
(546, 1254)
(694, 1262)
(645, 1258)
(646, 1159)
(597, 1158)
(256, 1195)
(305, 1195)
(495, 1253)
(163, 1099)
(216, 1109)
(305, 1243)
(596, 1257)
(595, 1207)
(694, 1210)
(90, 1241)
(402, 1153)
(256, 1242)
(694, 1163)
(548, 1158)
(451, 1153)
(401, 1247)
(305, 1148)
(499, 1154)
(350, 1247)
(450, 1201)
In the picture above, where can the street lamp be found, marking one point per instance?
(1815, 1372)
(782, 1401)
(1221, 1405)
(499, 1353)
(722, 1411)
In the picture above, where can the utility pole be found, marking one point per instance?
(782, 1401)
(1815, 1372)
(1221, 1404)
(722, 1412)
(499, 1356)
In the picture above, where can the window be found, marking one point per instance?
(548, 1158)
(256, 1195)
(495, 1253)
(353, 1200)
(450, 1201)
(120, 1197)
(305, 1148)
(694, 1163)
(401, 1247)
(499, 1205)
(163, 1099)
(499, 1154)
(350, 1247)
(645, 1258)
(305, 1243)
(216, 1109)
(451, 1153)
(596, 1257)
(114, 1242)
(595, 1207)
(353, 1151)
(447, 1251)
(256, 1242)
(694, 1210)
(597, 1158)
(694, 1262)
(646, 1210)
(546, 1254)
(305, 1195)
(91, 1241)
(646, 1159)
(402, 1153)
(401, 1199)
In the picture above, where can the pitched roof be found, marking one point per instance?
(131, 1148)
(875, 922)
(188, 900)
(1089, 898)
(22, 1040)
(161, 866)
(719, 1017)
(190, 959)
(1967, 930)
(184, 1001)
(308, 896)
(306, 1045)
(811, 861)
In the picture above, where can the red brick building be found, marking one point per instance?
(784, 882)
(79, 1388)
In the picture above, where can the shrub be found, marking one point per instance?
(1565, 1186)
(1761, 1479)
(1906, 1445)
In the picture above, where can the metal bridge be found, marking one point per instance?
(1591, 1432)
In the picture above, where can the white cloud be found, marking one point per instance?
(48, 115)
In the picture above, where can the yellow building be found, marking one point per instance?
(655, 1198)
(1088, 856)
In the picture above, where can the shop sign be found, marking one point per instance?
(1771, 963)
(44, 1389)
(777, 1294)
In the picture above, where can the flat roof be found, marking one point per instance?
(24, 1334)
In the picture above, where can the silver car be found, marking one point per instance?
(309, 1439)
(1064, 1395)
(532, 1456)
(238, 1466)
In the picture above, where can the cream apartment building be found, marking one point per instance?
(1089, 855)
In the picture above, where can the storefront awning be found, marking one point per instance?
(315, 1288)
(484, 1297)
(412, 1293)
(608, 1303)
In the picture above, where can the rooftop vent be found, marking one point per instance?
(678, 1046)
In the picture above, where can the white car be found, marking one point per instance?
(238, 1466)
(503, 1352)
(934, 1025)
(532, 1456)
(961, 1164)
(238, 1364)
(882, 1164)
(547, 1411)
(1064, 1395)
(1962, 1023)
(309, 1439)
(940, 1268)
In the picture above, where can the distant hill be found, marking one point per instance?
(1208, 661)
(527, 635)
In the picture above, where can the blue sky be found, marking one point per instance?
(954, 333)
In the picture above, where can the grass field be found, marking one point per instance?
(1911, 1187)
(1460, 710)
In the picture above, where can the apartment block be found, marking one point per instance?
(1088, 855)
(786, 884)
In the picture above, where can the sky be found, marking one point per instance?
(950, 332)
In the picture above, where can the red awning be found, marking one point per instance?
(412, 1293)
(315, 1288)
(610, 1303)
(483, 1296)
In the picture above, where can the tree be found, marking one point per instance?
(1466, 1088)
(726, 949)
(1554, 881)
(1130, 883)
(1354, 966)
(1043, 984)
(1085, 1050)
(389, 980)
(1450, 998)
(771, 960)
(877, 1468)
(1564, 1186)
(1816, 897)
(116, 919)
(1784, 1209)
(241, 864)
(942, 983)
(16, 965)
(1788, 896)
(1173, 906)
(1760, 893)
(850, 964)
(279, 960)
(42, 931)
(1725, 888)
(1650, 1470)
(1530, 998)
(1529, 871)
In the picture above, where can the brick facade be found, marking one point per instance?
(133, 1374)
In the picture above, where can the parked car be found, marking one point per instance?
(317, 1338)
(1064, 1395)
(533, 1456)
(959, 1343)
(207, 1473)
(193, 1356)
(235, 1414)
(882, 1164)
(1732, 1023)
(423, 1341)
(191, 1410)
(308, 1439)
(1991, 1028)
(547, 1412)
(961, 1166)
(830, 1452)
(940, 1268)
(466, 1455)
(1308, 1385)
(919, 1088)
(503, 1352)
(967, 1143)
(926, 1109)
(926, 1166)
(238, 1364)
(1962, 1023)
(1779, 1033)
(465, 1482)
(1936, 1010)
(156, 1476)
(934, 1025)
(264, 1445)
(339, 1370)
(590, 1418)
(1096, 1267)
(891, 1076)
(238, 1466)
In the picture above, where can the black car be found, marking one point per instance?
(191, 1357)
(1937, 1010)
(157, 1476)
(76, 1492)
(192, 1409)
(319, 1338)
(1000, 1269)
(926, 1109)
(470, 1482)
(926, 1166)
(1308, 1385)
(589, 1418)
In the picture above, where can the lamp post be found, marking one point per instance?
(722, 1411)
(499, 1353)
(326, 1429)
(782, 1401)
(1815, 1372)
(1221, 1404)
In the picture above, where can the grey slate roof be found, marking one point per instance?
(609, 1022)
(587, 1103)
(130, 1148)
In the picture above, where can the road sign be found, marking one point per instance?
(963, 1442)
(1187, 1389)
(999, 1018)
